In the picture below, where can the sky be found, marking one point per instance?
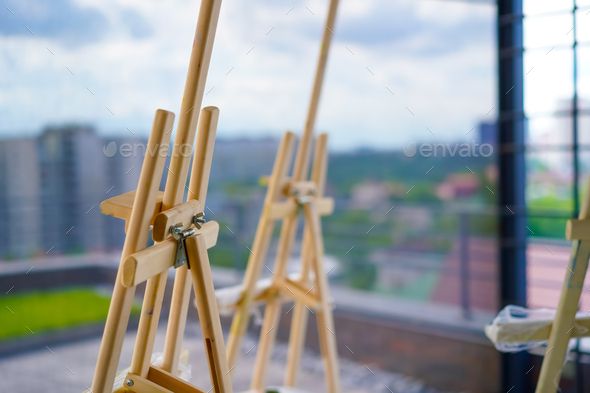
(398, 71)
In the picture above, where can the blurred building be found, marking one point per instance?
(20, 229)
(72, 185)
(488, 133)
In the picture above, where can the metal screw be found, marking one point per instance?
(129, 382)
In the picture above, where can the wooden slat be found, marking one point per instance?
(299, 188)
(136, 239)
(121, 205)
(208, 314)
(529, 331)
(301, 166)
(573, 284)
(259, 249)
(171, 382)
(143, 385)
(178, 214)
(324, 317)
(197, 189)
(300, 314)
(147, 263)
(280, 210)
(577, 230)
(294, 290)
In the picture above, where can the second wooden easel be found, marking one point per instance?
(286, 198)
(565, 324)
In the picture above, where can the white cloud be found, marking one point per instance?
(432, 65)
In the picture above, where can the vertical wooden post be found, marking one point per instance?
(573, 284)
(137, 233)
(175, 185)
(208, 314)
(259, 248)
(197, 189)
(304, 148)
(324, 315)
(300, 315)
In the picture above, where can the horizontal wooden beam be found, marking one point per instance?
(299, 188)
(144, 264)
(121, 205)
(577, 229)
(171, 382)
(183, 213)
(292, 289)
(528, 331)
(135, 383)
(280, 210)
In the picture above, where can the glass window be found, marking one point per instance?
(549, 133)
(548, 81)
(547, 31)
(584, 76)
(532, 7)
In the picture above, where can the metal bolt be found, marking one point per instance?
(129, 382)
(198, 220)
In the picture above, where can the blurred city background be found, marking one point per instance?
(413, 247)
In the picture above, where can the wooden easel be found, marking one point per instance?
(285, 199)
(565, 325)
(178, 244)
(579, 232)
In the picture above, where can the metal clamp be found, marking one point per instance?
(180, 235)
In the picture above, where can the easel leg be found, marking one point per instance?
(208, 313)
(148, 325)
(259, 249)
(273, 306)
(324, 316)
(564, 319)
(177, 319)
(143, 208)
(242, 315)
(299, 320)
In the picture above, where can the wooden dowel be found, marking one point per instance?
(197, 190)
(304, 148)
(192, 98)
(273, 306)
(324, 317)
(208, 314)
(146, 332)
(137, 234)
(300, 314)
(259, 248)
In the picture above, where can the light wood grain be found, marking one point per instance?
(197, 189)
(259, 249)
(208, 314)
(171, 382)
(577, 230)
(280, 210)
(183, 214)
(147, 263)
(141, 214)
(573, 284)
(304, 150)
(300, 313)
